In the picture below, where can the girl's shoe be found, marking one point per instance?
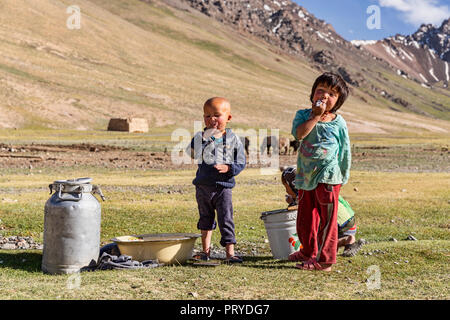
(312, 265)
(298, 256)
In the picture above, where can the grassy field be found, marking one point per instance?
(387, 204)
(136, 59)
(158, 139)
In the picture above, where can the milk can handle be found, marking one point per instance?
(77, 196)
(67, 196)
(96, 189)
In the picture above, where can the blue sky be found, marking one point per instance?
(349, 17)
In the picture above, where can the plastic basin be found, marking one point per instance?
(168, 248)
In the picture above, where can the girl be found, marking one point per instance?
(323, 165)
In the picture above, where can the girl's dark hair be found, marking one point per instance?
(334, 81)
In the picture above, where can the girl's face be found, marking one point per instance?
(327, 95)
(216, 117)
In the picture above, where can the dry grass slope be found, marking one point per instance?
(134, 59)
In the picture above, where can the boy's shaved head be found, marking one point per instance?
(217, 113)
(219, 103)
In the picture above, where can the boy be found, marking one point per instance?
(220, 156)
(323, 165)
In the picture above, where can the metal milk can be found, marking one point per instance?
(71, 226)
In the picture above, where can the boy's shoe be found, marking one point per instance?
(209, 263)
(233, 259)
(201, 256)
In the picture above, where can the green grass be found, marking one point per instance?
(423, 276)
(157, 140)
(160, 137)
(388, 205)
(139, 202)
(420, 98)
(22, 74)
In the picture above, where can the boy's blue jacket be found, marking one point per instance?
(209, 152)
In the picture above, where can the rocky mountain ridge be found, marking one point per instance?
(289, 27)
(292, 29)
(436, 39)
(423, 55)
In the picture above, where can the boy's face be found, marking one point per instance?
(217, 114)
(327, 95)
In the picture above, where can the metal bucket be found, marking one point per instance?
(71, 226)
(282, 232)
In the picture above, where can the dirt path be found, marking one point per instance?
(40, 156)
(37, 156)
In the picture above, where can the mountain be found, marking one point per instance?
(437, 39)
(161, 59)
(290, 28)
(423, 56)
(293, 30)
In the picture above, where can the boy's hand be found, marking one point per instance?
(208, 133)
(222, 168)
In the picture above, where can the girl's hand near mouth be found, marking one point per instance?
(319, 109)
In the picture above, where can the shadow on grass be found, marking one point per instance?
(23, 260)
(266, 262)
(258, 262)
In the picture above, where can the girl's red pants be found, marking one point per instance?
(317, 222)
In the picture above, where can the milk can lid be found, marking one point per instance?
(74, 182)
